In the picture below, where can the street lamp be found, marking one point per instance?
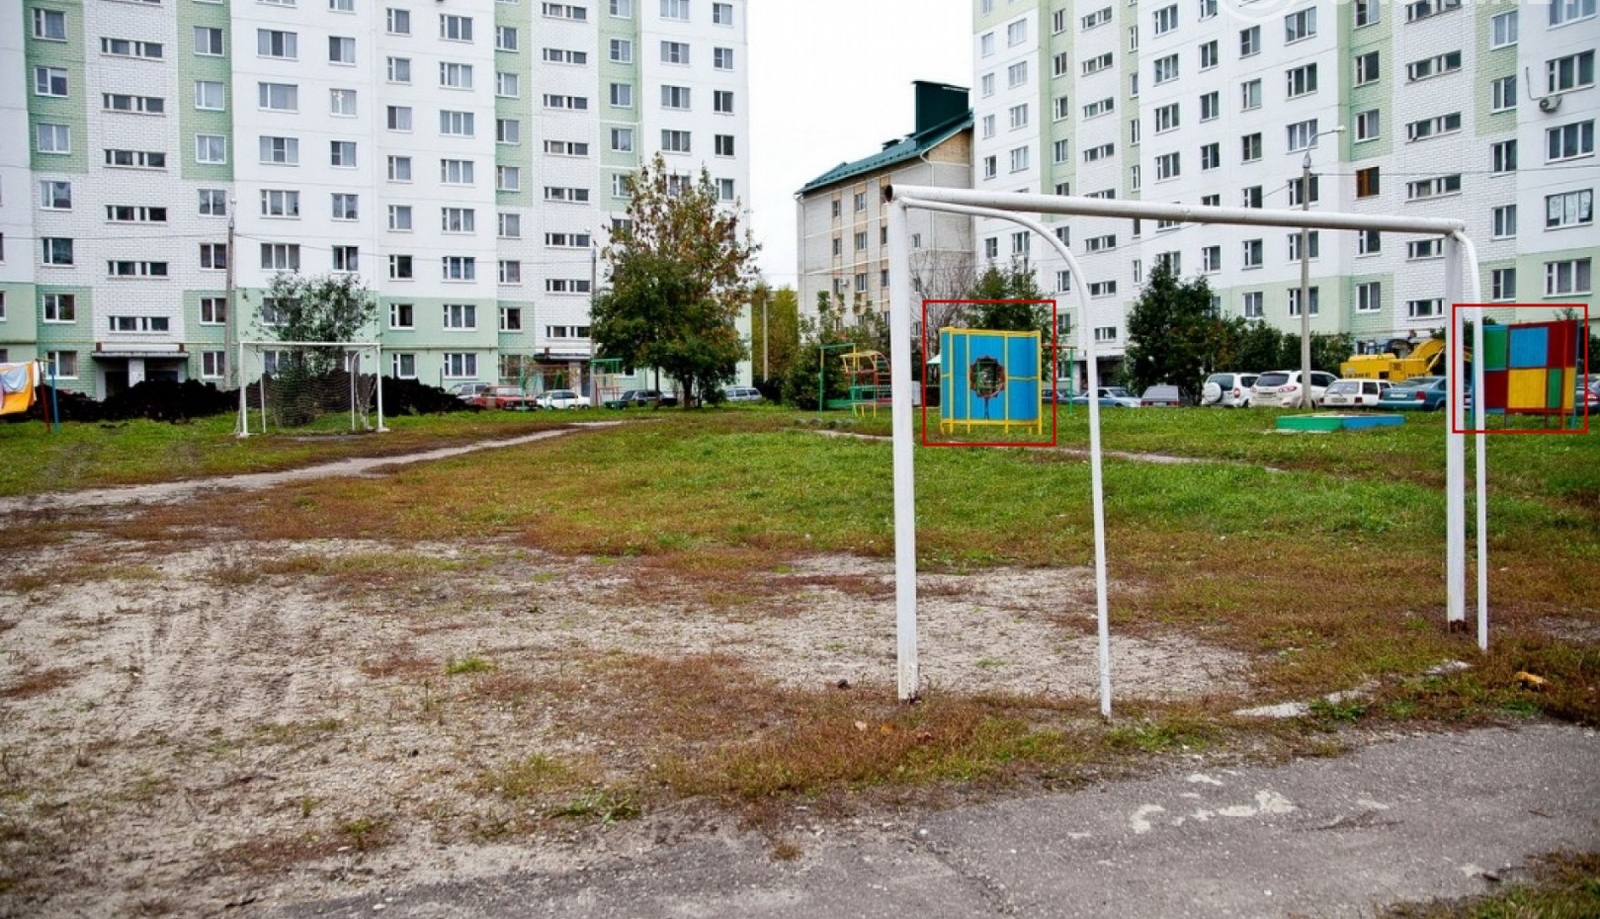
(1305, 269)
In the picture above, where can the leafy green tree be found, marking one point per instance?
(838, 328)
(330, 307)
(680, 273)
(1327, 352)
(775, 337)
(1173, 333)
(1011, 283)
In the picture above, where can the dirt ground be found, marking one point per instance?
(225, 728)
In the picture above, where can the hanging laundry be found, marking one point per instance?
(17, 386)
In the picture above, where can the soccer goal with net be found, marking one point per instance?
(326, 387)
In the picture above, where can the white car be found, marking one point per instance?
(1281, 388)
(1354, 393)
(1230, 390)
(563, 398)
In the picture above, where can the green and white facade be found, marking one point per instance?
(464, 157)
(1218, 101)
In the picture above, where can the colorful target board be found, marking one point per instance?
(1530, 371)
(991, 383)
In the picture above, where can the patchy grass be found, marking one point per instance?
(1564, 885)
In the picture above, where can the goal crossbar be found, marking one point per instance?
(1459, 254)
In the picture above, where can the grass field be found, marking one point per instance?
(1318, 557)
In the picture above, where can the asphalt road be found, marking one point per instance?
(1410, 819)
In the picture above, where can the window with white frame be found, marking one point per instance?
(1210, 259)
(1165, 69)
(1502, 284)
(1313, 245)
(460, 365)
(1503, 93)
(1367, 12)
(453, 75)
(281, 151)
(455, 28)
(677, 10)
(1301, 81)
(456, 172)
(399, 168)
(722, 14)
(280, 257)
(1367, 69)
(1367, 125)
(398, 118)
(1167, 167)
(1369, 297)
(1210, 156)
(673, 141)
(1210, 56)
(1302, 135)
(1574, 71)
(1437, 65)
(1428, 308)
(460, 317)
(1419, 249)
(49, 25)
(1167, 118)
(1017, 74)
(1504, 220)
(1294, 301)
(456, 124)
(458, 268)
(346, 258)
(1569, 209)
(622, 95)
(1105, 333)
(1018, 116)
(399, 69)
(208, 41)
(1503, 29)
(1299, 25)
(674, 52)
(509, 271)
(1369, 242)
(1503, 156)
(507, 131)
(402, 316)
(280, 202)
(1434, 187)
(1252, 304)
(341, 50)
(1254, 253)
(403, 365)
(1016, 33)
(400, 218)
(1250, 41)
(397, 21)
(1568, 276)
(1250, 95)
(1166, 19)
(346, 206)
(1250, 148)
(1569, 141)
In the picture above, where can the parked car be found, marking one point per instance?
(1062, 391)
(505, 397)
(742, 394)
(466, 391)
(1354, 393)
(1281, 388)
(1161, 394)
(1110, 397)
(563, 398)
(1229, 390)
(634, 397)
(1426, 394)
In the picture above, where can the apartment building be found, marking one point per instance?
(1483, 112)
(464, 158)
(843, 227)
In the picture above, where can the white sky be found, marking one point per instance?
(830, 81)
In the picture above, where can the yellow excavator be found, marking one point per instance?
(1425, 359)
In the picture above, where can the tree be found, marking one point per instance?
(1327, 352)
(1014, 282)
(1173, 333)
(330, 307)
(775, 337)
(679, 274)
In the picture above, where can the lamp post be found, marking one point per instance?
(1305, 269)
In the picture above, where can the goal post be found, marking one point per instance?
(310, 387)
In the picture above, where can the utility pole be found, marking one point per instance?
(230, 326)
(1305, 269)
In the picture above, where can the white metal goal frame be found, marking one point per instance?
(243, 427)
(1459, 254)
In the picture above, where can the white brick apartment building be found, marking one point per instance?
(464, 157)
(1484, 112)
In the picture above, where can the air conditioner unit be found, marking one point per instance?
(1549, 104)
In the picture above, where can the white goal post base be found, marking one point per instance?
(309, 386)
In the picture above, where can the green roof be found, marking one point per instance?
(914, 145)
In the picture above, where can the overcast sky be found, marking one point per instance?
(830, 81)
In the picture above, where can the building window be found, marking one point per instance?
(1294, 301)
(280, 257)
(1209, 55)
(403, 366)
(675, 97)
(1106, 333)
(455, 28)
(1367, 181)
(1565, 11)
(1302, 135)
(401, 268)
(1503, 94)
(459, 366)
(55, 195)
(213, 310)
(1250, 148)
(1433, 188)
(49, 81)
(1369, 297)
(1252, 304)
(1503, 156)
(208, 41)
(1366, 68)
(400, 218)
(675, 141)
(65, 363)
(1250, 41)
(60, 307)
(345, 206)
(1251, 196)
(1367, 125)
(49, 25)
(282, 151)
(399, 168)
(53, 138)
(397, 22)
(1166, 19)
(56, 250)
(622, 95)
(1017, 74)
(1297, 190)
(1167, 167)
(1424, 309)
(214, 256)
(1167, 118)
(1574, 71)
(346, 258)
(1211, 259)
(457, 219)
(341, 50)
(1366, 12)
(674, 52)
(1210, 156)
(1567, 277)
(1569, 141)
(677, 10)
(510, 271)
(1369, 242)
(1254, 253)
(1019, 159)
(1569, 209)
(457, 124)
(1503, 284)
(458, 268)
(1299, 25)
(213, 202)
(280, 203)
(457, 172)
(398, 118)
(507, 131)
(1301, 81)
(402, 316)
(1313, 245)
(1250, 95)
(1503, 29)
(1419, 249)
(1210, 106)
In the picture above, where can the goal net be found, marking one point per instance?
(314, 387)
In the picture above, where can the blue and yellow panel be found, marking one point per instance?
(1530, 368)
(989, 379)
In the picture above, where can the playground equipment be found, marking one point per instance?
(989, 378)
(868, 375)
(1532, 369)
(1425, 360)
